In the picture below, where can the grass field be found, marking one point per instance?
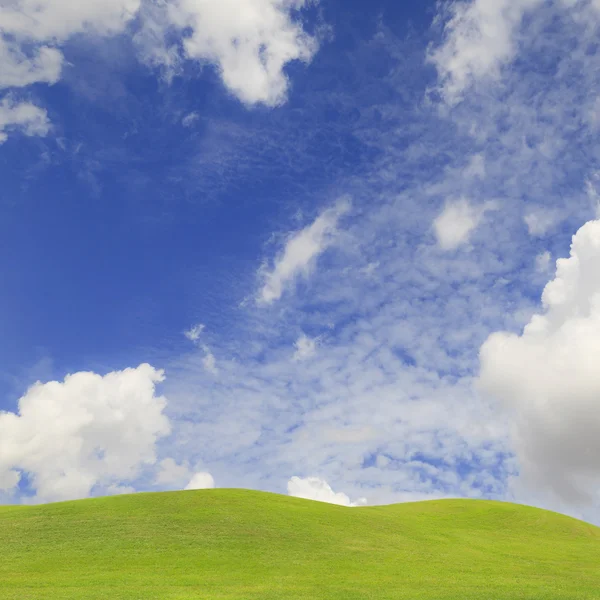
(242, 544)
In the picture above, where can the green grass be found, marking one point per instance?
(254, 545)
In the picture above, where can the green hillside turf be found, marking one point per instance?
(253, 545)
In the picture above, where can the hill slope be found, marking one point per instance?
(249, 545)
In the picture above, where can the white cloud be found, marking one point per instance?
(19, 69)
(30, 30)
(313, 488)
(305, 347)
(300, 252)
(87, 432)
(190, 119)
(540, 221)
(549, 378)
(480, 40)
(481, 37)
(193, 334)
(39, 25)
(454, 224)
(201, 481)
(249, 42)
(23, 116)
(209, 361)
(43, 20)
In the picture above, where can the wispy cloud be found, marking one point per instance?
(482, 37)
(479, 41)
(193, 334)
(300, 253)
(209, 361)
(190, 119)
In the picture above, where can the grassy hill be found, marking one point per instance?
(253, 545)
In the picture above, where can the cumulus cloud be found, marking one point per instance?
(249, 41)
(548, 377)
(454, 224)
(313, 488)
(305, 347)
(301, 251)
(87, 433)
(201, 481)
(23, 116)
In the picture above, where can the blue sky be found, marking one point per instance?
(304, 247)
